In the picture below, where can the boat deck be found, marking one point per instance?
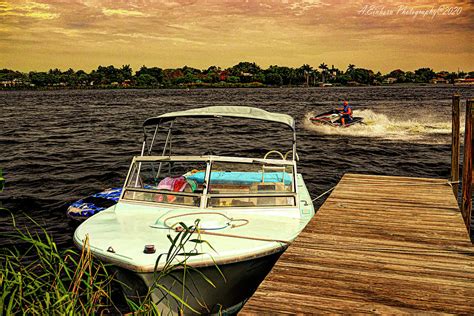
(378, 244)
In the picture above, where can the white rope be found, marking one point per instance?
(177, 227)
(320, 196)
(450, 183)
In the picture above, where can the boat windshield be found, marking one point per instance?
(242, 183)
(254, 184)
(165, 182)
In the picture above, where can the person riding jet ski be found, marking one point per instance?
(346, 113)
(340, 117)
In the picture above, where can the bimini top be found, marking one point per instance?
(229, 111)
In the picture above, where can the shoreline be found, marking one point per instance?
(225, 86)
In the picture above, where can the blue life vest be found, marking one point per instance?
(347, 110)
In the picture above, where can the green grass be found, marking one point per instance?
(45, 280)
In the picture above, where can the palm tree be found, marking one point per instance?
(305, 70)
(324, 68)
(126, 71)
(315, 74)
(350, 70)
(292, 75)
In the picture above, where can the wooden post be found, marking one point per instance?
(455, 148)
(467, 167)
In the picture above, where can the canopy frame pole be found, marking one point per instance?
(144, 141)
(295, 186)
(140, 163)
(153, 140)
(294, 145)
(168, 139)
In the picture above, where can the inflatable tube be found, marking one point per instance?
(85, 208)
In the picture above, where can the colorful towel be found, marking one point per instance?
(173, 184)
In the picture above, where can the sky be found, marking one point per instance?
(379, 35)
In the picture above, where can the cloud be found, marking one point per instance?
(28, 9)
(212, 31)
(122, 12)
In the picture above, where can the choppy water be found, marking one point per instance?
(59, 146)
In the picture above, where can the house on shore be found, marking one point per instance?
(389, 80)
(464, 81)
(11, 83)
(439, 80)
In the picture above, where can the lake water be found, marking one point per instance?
(59, 146)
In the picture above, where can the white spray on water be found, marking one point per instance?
(423, 128)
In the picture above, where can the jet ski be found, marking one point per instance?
(333, 118)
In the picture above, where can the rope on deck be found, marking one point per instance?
(323, 194)
(178, 228)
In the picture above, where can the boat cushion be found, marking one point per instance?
(237, 177)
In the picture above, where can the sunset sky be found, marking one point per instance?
(380, 35)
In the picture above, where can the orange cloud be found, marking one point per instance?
(27, 9)
(375, 34)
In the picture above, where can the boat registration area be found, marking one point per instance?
(378, 244)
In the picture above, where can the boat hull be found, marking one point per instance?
(228, 296)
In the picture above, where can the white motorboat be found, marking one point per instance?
(237, 215)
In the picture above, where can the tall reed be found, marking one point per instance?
(45, 280)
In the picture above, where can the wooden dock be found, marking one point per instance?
(378, 244)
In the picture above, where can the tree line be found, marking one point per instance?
(243, 74)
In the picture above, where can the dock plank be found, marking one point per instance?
(379, 244)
